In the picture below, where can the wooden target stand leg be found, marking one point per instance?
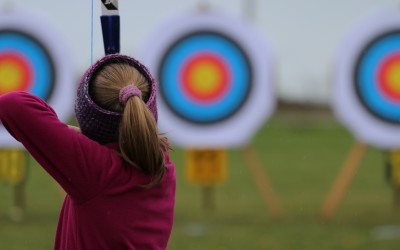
(262, 182)
(344, 178)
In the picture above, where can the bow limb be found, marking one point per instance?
(110, 26)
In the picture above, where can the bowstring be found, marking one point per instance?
(91, 34)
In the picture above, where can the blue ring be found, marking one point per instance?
(222, 47)
(38, 58)
(366, 72)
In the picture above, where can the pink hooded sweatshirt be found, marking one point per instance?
(105, 206)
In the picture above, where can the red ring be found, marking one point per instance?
(385, 84)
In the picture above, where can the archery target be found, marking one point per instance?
(377, 77)
(205, 77)
(25, 64)
(34, 59)
(367, 91)
(214, 76)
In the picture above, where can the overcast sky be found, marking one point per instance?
(304, 34)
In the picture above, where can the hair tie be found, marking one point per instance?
(128, 91)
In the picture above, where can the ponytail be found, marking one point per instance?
(139, 141)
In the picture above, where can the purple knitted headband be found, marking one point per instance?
(96, 122)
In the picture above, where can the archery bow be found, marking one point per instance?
(110, 26)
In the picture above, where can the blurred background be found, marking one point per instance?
(303, 181)
(304, 35)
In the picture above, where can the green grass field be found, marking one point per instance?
(302, 154)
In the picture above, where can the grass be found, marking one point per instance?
(301, 153)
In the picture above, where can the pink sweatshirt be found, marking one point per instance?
(105, 207)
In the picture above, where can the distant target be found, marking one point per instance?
(25, 64)
(35, 59)
(377, 77)
(205, 77)
(367, 90)
(214, 74)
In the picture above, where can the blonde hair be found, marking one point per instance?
(139, 141)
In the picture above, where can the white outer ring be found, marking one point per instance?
(239, 129)
(63, 96)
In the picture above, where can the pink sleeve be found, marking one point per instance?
(78, 164)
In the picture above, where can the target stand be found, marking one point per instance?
(33, 59)
(262, 182)
(343, 180)
(214, 73)
(208, 167)
(349, 169)
(366, 93)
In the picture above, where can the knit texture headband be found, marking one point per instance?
(100, 124)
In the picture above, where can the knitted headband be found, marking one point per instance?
(96, 122)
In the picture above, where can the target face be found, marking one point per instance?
(34, 59)
(205, 77)
(214, 79)
(367, 93)
(25, 64)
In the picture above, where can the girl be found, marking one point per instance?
(119, 180)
